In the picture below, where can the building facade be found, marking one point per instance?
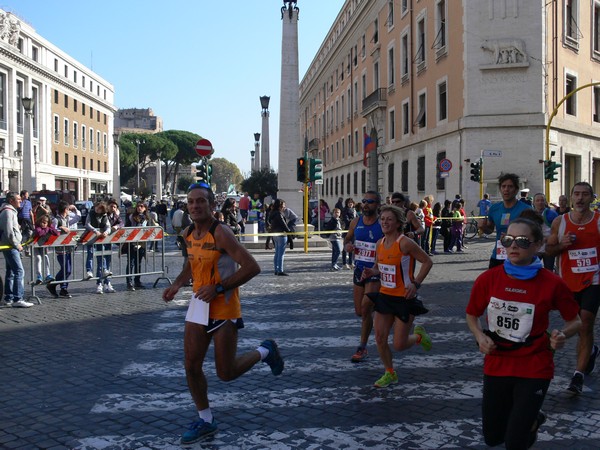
(66, 141)
(427, 81)
(137, 120)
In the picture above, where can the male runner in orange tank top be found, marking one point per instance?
(575, 238)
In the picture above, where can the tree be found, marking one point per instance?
(263, 182)
(185, 155)
(184, 181)
(225, 173)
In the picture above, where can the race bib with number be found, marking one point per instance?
(583, 260)
(387, 275)
(500, 250)
(364, 251)
(510, 320)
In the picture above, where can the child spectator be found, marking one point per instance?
(43, 230)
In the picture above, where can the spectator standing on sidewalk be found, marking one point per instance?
(43, 230)
(218, 265)
(115, 221)
(136, 251)
(66, 219)
(348, 215)
(279, 225)
(396, 304)
(518, 298)
(98, 225)
(335, 225)
(25, 217)
(575, 239)
(10, 236)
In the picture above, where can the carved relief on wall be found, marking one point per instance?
(10, 28)
(505, 53)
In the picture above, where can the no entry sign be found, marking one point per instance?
(204, 148)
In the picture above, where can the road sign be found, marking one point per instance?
(204, 148)
(445, 165)
(319, 181)
(444, 174)
(492, 153)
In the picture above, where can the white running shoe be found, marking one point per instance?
(89, 275)
(108, 288)
(22, 304)
(99, 289)
(106, 273)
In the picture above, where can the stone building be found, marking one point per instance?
(65, 141)
(136, 120)
(432, 80)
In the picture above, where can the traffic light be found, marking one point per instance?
(476, 170)
(550, 170)
(316, 169)
(208, 172)
(301, 170)
(202, 172)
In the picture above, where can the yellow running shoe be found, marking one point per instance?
(387, 379)
(425, 339)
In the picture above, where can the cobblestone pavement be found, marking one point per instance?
(106, 371)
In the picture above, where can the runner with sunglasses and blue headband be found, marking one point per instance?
(361, 239)
(218, 265)
(518, 297)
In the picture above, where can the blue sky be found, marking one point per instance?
(199, 64)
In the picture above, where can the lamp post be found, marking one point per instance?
(265, 158)
(252, 163)
(29, 160)
(137, 143)
(256, 165)
(116, 172)
(19, 154)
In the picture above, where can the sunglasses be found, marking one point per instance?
(199, 185)
(521, 241)
(369, 201)
(396, 201)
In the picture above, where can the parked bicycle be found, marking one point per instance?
(471, 228)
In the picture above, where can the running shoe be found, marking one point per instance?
(89, 275)
(21, 304)
(425, 339)
(387, 379)
(360, 355)
(576, 385)
(38, 280)
(591, 365)
(52, 289)
(64, 293)
(273, 359)
(49, 279)
(99, 289)
(541, 419)
(198, 430)
(108, 288)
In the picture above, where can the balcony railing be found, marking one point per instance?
(376, 99)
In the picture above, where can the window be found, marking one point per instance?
(405, 176)
(91, 164)
(571, 29)
(439, 44)
(66, 101)
(404, 8)
(392, 124)
(20, 45)
(66, 160)
(56, 96)
(75, 76)
(355, 143)
(596, 105)
(442, 101)
(364, 86)
(56, 159)
(391, 67)
(55, 65)
(363, 51)
(596, 29)
(348, 184)
(570, 86)
(375, 76)
(421, 119)
(91, 141)
(337, 185)
(98, 143)
(405, 118)
(98, 165)
(105, 164)
(66, 71)
(343, 149)
(91, 112)
(105, 142)
(19, 107)
(355, 96)
(56, 129)
(404, 57)
(75, 134)
(83, 135)
(391, 178)
(421, 44)
(363, 181)
(83, 163)
(34, 53)
(66, 132)
(355, 183)
(440, 183)
(421, 174)
(74, 105)
(376, 31)
(75, 161)
(390, 17)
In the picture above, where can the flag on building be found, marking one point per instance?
(368, 147)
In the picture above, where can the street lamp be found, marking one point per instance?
(2, 153)
(256, 150)
(116, 172)
(138, 142)
(18, 153)
(252, 152)
(29, 175)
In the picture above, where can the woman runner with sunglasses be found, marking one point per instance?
(518, 366)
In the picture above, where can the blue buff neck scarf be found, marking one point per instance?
(523, 272)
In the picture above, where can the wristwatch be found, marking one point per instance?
(219, 289)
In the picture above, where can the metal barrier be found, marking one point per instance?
(85, 252)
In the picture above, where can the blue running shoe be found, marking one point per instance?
(199, 430)
(273, 359)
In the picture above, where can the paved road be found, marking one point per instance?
(106, 372)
